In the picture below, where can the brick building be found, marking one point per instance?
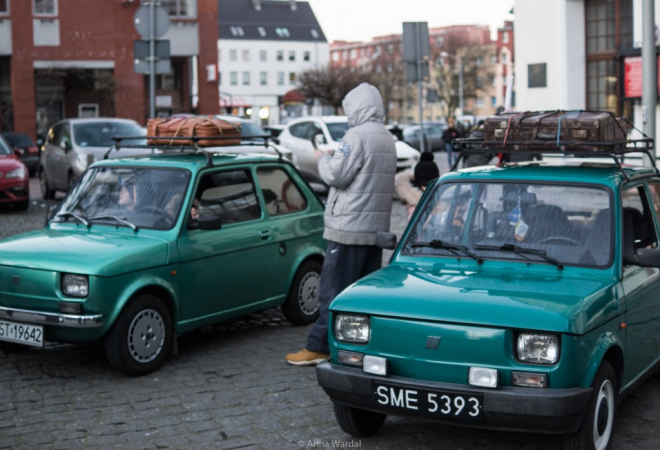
(74, 58)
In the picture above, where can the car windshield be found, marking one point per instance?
(18, 140)
(547, 223)
(4, 148)
(142, 196)
(100, 134)
(337, 130)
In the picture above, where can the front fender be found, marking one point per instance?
(312, 251)
(606, 338)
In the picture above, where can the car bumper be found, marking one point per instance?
(555, 411)
(31, 161)
(14, 191)
(51, 319)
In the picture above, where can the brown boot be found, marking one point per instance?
(306, 358)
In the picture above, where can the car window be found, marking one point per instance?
(18, 140)
(230, 195)
(299, 130)
(635, 210)
(281, 194)
(65, 137)
(4, 148)
(100, 134)
(654, 189)
(572, 224)
(337, 130)
(312, 130)
(410, 133)
(54, 134)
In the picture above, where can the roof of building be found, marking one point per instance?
(273, 21)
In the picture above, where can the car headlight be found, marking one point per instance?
(350, 328)
(16, 173)
(75, 285)
(538, 348)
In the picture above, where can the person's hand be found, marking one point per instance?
(320, 153)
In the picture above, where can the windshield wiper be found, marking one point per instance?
(76, 216)
(518, 250)
(437, 243)
(117, 219)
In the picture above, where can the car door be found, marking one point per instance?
(641, 285)
(301, 132)
(227, 269)
(50, 154)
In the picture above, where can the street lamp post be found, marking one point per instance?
(460, 77)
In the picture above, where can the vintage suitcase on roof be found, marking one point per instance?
(550, 129)
(163, 129)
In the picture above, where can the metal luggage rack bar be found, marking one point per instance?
(195, 148)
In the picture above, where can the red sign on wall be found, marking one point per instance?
(632, 77)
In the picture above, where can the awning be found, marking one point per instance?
(293, 97)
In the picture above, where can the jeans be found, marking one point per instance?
(450, 154)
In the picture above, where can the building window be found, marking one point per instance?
(505, 37)
(504, 58)
(335, 56)
(44, 7)
(233, 78)
(479, 102)
(493, 80)
(292, 56)
(282, 32)
(4, 6)
(493, 101)
(315, 33)
(353, 54)
(246, 55)
(280, 78)
(602, 80)
(480, 81)
(440, 41)
(306, 56)
(263, 78)
(180, 8)
(493, 59)
(263, 55)
(479, 61)
(236, 31)
(261, 31)
(390, 48)
(173, 79)
(292, 78)
(246, 78)
(280, 55)
(233, 55)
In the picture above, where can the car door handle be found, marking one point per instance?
(264, 234)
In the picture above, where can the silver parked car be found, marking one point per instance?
(73, 144)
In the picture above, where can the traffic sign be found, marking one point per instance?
(160, 66)
(142, 18)
(161, 49)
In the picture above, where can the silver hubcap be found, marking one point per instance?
(146, 336)
(603, 415)
(308, 293)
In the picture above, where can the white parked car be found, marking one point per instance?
(298, 134)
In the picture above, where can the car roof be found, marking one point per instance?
(95, 119)
(326, 119)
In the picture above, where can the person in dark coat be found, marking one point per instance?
(448, 137)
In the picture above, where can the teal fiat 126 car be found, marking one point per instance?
(145, 249)
(521, 297)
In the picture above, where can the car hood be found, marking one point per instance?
(404, 150)
(544, 301)
(9, 162)
(92, 253)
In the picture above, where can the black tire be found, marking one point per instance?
(358, 422)
(141, 337)
(302, 305)
(22, 206)
(46, 192)
(595, 431)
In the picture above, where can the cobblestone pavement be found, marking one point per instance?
(228, 388)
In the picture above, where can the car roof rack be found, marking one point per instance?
(184, 147)
(579, 149)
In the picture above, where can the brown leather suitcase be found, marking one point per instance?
(549, 129)
(163, 129)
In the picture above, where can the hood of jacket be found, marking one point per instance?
(363, 104)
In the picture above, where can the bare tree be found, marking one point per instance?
(330, 85)
(389, 76)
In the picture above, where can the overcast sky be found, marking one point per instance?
(361, 20)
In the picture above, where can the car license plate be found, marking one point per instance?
(445, 404)
(22, 333)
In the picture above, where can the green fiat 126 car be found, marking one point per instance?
(145, 249)
(521, 297)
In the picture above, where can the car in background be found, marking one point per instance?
(72, 145)
(14, 178)
(274, 130)
(27, 151)
(433, 132)
(298, 134)
(143, 250)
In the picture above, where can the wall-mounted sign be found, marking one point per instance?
(632, 77)
(537, 75)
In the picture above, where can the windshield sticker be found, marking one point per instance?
(344, 148)
(521, 230)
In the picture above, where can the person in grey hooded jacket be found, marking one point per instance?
(360, 174)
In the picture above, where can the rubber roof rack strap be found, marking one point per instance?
(577, 111)
(176, 133)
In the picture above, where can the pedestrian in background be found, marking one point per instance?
(360, 174)
(448, 137)
(410, 184)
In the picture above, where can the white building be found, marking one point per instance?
(263, 46)
(580, 54)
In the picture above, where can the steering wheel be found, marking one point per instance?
(549, 239)
(162, 213)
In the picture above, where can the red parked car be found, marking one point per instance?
(14, 179)
(26, 150)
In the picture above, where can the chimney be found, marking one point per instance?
(292, 4)
(257, 5)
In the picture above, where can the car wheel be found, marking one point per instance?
(302, 305)
(358, 422)
(139, 340)
(46, 192)
(595, 431)
(22, 206)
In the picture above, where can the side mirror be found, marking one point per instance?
(209, 222)
(386, 240)
(18, 151)
(645, 257)
(317, 140)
